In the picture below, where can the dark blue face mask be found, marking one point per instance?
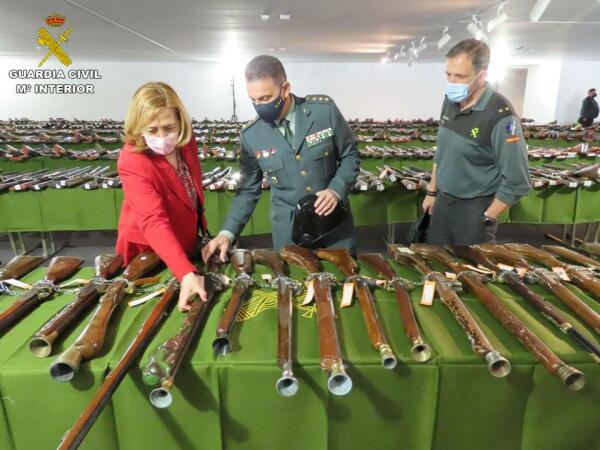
(269, 112)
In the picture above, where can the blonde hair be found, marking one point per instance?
(145, 103)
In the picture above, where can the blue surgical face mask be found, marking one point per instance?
(457, 92)
(269, 112)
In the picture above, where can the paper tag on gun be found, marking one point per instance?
(310, 293)
(76, 281)
(145, 298)
(505, 267)
(17, 283)
(428, 293)
(266, 277)
(562, 274)
(347, 295)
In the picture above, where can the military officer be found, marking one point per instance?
(302, 145)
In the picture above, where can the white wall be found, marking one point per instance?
(576, 78)
(541, 91)
(361, 90)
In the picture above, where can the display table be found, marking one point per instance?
(450, 402)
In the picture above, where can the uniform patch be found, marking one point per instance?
(474, 132)
(511, 128)
(318, 137)
(512, 139)
(265, 153)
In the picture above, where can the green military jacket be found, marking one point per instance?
(323, 155)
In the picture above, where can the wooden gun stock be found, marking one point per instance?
(20, 266)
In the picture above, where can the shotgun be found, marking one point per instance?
(73, 437)
(419, 350)
(511, 278)
(107, 266)
(573, 379)
(573, 256)
(338, 383)
(60, 268)
(498, 365)
(346, 264)
(165, 362)
(90, 341)
(287, 384)
(20, 266)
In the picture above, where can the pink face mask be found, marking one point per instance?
(162, 146)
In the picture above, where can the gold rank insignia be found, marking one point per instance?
(318, 137)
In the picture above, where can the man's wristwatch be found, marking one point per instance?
(487, 220)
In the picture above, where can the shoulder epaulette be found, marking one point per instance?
(249, 123)
(318, 99)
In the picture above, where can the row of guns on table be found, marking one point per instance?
(88, 178)
(509, 264)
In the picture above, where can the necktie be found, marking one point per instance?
(288, 135)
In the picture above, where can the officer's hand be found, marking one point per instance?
(220, 243)
(428, 204)
(191, 284)
(326, 202)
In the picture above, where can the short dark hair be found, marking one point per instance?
(591, 90)
(478, 52)
(265, 66)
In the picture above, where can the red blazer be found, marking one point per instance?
(157, 214)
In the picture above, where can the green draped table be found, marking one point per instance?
(450, 402)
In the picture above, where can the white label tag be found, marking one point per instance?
(450, 276)
(522, 271)
(405, 250)
(505, 267)
(347, 295)
(17, 283)
(145, 298)
(76, 281)
(383, 174)
(266, 277)
(479, 269)
(393, 178)
(561, 273)
(428, 293)
(310, 293)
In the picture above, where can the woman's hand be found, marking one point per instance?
(191, 284)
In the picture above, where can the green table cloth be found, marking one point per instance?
(450, 402)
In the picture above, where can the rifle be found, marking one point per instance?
(287, 384)
(241, 261)
(572, 378)
(592, 248)
(573, 256)
(41, 342)
(419, 350)
(76, 434)
(20, 266)
(551, 282)
(546, 309)
(497, 365)
(165, 362)
(60, 268)
(339, 383)
(90, 341)
(346, 264)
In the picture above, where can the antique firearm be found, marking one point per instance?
(339, 383)
(346, 264)
(107, 266)
(73, 437)
(550, 281)
(592, 248)
(572, 378)
(90, 341)
(18, 267)
(60, 268)
(165, 362)
(573, 256)
(241, 261)
(511, 278)
(419, 350)
(497, 365)
(287, 385)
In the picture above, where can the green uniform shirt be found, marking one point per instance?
(482, 151)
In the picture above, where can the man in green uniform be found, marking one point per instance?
(303, 146)
(480, 168)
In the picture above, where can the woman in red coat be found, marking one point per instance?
(162, 184)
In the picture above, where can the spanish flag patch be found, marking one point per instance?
(512, 139)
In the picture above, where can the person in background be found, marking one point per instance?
(163, 201)
(589, 109)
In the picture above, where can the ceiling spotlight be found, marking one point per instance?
(422, 45)
(444, 39)
(264, 17)
(498, 20)
(285, 17)
(538, 9)
(476, 29)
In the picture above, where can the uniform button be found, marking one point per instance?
(298, 157)
(303, 173)
(308, 189)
